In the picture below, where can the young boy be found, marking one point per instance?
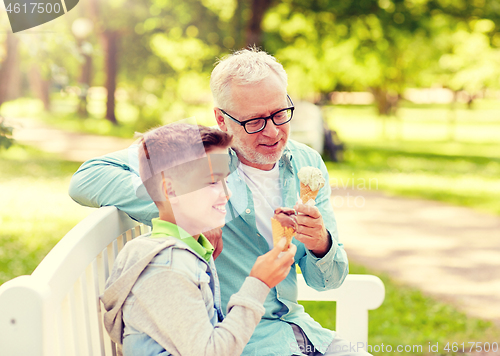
(162, 297)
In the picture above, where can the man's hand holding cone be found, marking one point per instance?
(311, 230)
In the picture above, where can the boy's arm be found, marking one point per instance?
(175, 315)
(329, 271)
(114, 180)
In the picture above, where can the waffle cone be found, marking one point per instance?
(279, 231)
(306, 193)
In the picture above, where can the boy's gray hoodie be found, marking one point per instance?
(169, 307)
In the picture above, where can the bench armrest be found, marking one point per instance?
(358, 294)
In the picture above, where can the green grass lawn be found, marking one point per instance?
(36, 210)
(464, 172)
(423, 123)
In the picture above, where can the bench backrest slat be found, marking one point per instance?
(76, 318)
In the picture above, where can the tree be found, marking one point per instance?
(254, 29)
(82, 28)
(383, 46)
(458, 70)
(108, 30)
(376, 45)
(8, 65)
(49, 61)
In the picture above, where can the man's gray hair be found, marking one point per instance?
(243, 67)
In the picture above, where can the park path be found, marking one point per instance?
(71, 146)
(449, 252)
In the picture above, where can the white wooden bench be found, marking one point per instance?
(56, 310)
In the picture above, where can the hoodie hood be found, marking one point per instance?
(130, 263)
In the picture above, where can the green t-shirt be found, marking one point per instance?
(202, 247)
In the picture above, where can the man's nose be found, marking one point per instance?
(271, 129)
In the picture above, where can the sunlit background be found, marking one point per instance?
(408, 90)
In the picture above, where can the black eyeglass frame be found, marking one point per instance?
(270, 117)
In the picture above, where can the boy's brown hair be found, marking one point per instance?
(165, 148)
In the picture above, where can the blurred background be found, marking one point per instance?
(402, 98)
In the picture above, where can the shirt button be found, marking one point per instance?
(247, 211)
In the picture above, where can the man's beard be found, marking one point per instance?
(251, 155)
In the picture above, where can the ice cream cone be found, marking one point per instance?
(279, 231)
(306, 193)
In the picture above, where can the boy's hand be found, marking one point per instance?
(273, 267)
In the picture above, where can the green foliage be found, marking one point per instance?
(56, 57)
(167, 48)
(5, 134)
(458, 70)
(350, 47)
(384, 46)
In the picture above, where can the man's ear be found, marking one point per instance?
(219, 117)
(168, 190)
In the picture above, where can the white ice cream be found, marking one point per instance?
(312, 177)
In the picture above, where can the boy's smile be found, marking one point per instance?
(221, 208)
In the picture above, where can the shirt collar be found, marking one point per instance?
(202, 247)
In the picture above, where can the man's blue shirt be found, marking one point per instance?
(243, 244)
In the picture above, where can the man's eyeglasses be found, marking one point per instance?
(252, 126)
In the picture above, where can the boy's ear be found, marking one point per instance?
(168, 190)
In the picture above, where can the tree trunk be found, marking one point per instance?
(238, 25)
(387, 105)
(85, 83)
(111, 65)
(40, 86)
(15, 80)
(452, 117)
(7, 67)
(386, 102)
(470, 101)
(86, 74)
(254, 29)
